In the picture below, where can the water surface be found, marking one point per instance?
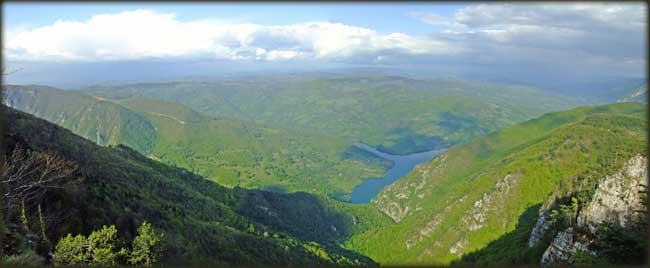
(402, 165)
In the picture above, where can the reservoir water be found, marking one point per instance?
(402, 165)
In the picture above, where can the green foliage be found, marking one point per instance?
(565, 216)
(359, 154)
(246, 154)
(621, 246)
(99, 248)
(100, 121)
(543, 158)
(511, 248)
(200, 218)
(539, 161)
(251, 228)
(398, 114)
(26, 259)
(72, 251)
(101, 245)
(145, 246)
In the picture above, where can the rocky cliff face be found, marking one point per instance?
(617, 201)
(395, 200)
(560, 252)
(618, 197)
(566, 244)
(540, 229)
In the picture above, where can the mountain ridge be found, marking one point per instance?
(229, 151)
(122, 187)
(395, 114)
(474, 193)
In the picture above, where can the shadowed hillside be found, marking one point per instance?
(201, 220)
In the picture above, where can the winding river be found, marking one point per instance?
(402, 165)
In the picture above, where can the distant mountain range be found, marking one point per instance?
(398, 115)
(286, 132)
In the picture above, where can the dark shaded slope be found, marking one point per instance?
(201, 220)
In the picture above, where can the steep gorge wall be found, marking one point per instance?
(616, 201)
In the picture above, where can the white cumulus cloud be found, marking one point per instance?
(143, 34)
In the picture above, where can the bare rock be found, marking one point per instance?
(617, 199)
(561, 250)
(540, 229)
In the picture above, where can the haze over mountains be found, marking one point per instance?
(86, 75)
(401, 115)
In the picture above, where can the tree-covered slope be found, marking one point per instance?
(477, 193)
(94, 118)
(201, 220)
(226, 150)
(396, 114)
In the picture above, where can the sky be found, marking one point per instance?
(559, 44)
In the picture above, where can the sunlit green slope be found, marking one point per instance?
(476, 193)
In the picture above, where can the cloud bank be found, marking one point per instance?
(562, 40)
(145, 34)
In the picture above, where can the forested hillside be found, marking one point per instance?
(396, 114)
(324, 135)
(228, 151)
(477, 203)
(201, 220)
(494, 187)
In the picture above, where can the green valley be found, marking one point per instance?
(320, 134)
(477, 203)
(228, 151)
(395, 114)
(202, 221)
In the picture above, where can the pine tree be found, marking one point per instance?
(146, 246)
(72, 251)
(97, 249)
(102, 246)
